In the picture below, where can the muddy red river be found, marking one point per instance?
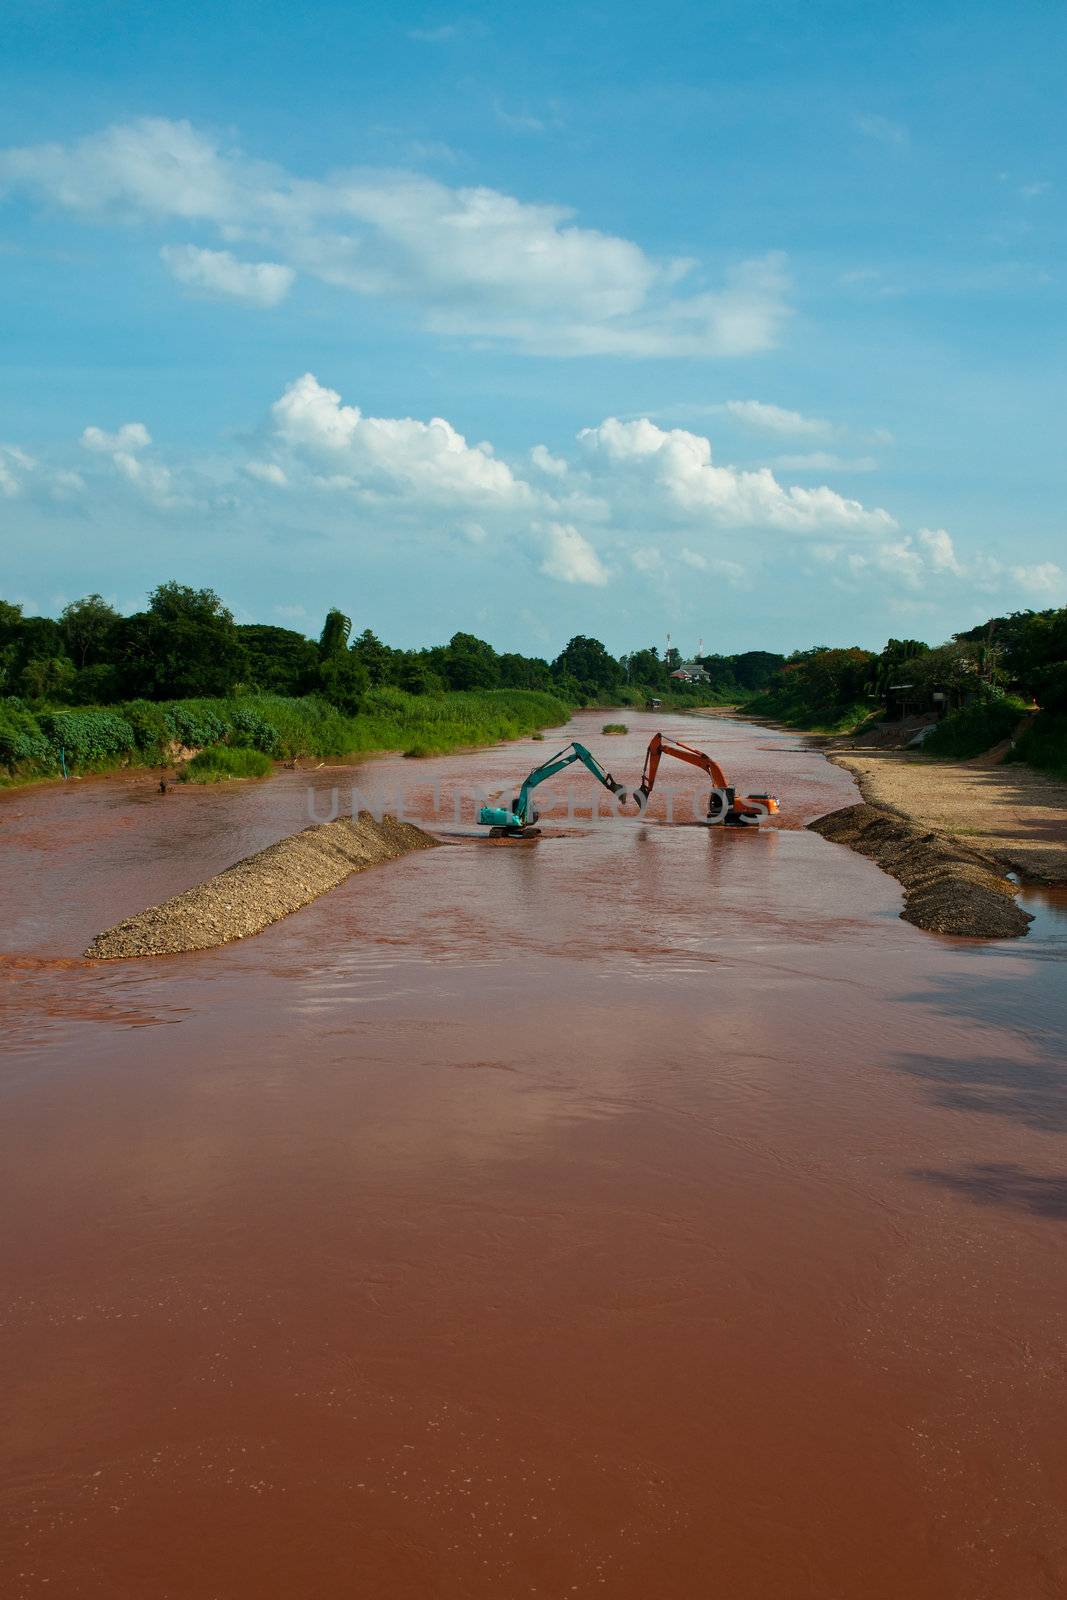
(646, 1212)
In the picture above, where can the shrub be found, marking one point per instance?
(21, 739)
(225, 761)
(615, 727)
(153, 727)
(88, 737)
(974, 729)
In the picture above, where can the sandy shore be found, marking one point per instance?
(1013, 813)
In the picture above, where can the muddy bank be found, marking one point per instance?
(262, 889)
(948, 888)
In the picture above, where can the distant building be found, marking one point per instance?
(690, 672)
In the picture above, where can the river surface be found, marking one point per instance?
(645, 1213)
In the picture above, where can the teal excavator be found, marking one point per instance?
(517, 821)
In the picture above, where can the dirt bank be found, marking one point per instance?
(262, 889)
(948, 887)
(1012, 813)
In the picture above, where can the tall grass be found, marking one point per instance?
(223, 761)
(144, 732)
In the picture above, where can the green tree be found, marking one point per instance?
(587, 661)
(47, 678)
(375, 656)
(343, 681)
(88, 627)
(470, 663)
(644, 667)
(185, 645)
(280, 660)
(336, 631)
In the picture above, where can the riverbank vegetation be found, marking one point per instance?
(223, 761)
(981, 684)
(93, 689)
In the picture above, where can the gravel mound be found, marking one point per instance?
(947, 887)
(262, 889)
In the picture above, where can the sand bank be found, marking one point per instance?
(262, 889)
(1012, 813)
(948, 887)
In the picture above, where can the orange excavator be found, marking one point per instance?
(724, 806)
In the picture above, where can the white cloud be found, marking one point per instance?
(632, 501)
(123, 447)
(153, 479)
(267, 472)
(777, 420)
(940, 551)
(825, 461)
(390, 454)
(293, 612)
(477, 262)
(545, 461)
(570, 557)
(1044, 577)
(20, 473)
(677, 467)
(221, 275)
(130, 437)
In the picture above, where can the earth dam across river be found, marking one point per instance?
(647, 1212)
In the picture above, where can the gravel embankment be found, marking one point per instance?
(1009, 812)
(262, 889)
(948, 888)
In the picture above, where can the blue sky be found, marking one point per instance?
(742, 321)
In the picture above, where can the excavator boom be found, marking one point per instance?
(724, 806)
(515, 820)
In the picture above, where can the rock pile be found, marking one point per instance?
(948, 888)
(262, 889)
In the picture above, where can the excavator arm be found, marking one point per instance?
(521, 814)
(723, 803)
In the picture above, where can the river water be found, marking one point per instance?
(646, 1213)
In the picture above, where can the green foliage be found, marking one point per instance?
(974, 729)
(87, 627)
(88, 738)
(589, 664)
(820, 689)
(185, 644)
(343, 681)
(1044, 744)
(615, 727)
(22, 742)
(224, 761)
(47, 678)
(280, 661)
(336, 632)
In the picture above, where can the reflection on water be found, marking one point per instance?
(1048, 907)
(649, 1211)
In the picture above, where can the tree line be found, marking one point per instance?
(186, 644)
(1021, 655)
